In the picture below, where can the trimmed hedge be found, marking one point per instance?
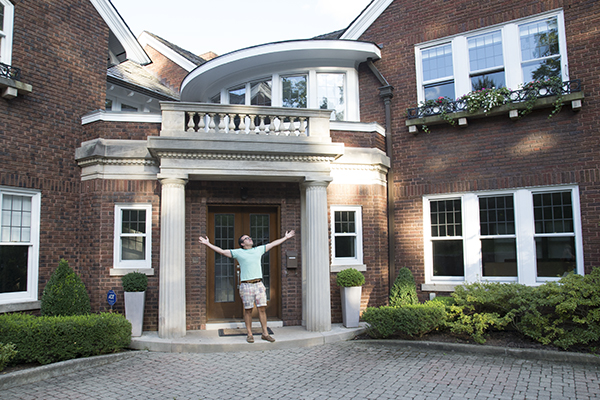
(412, 320)
(134, 282)
(564, 313)
(65, 293)
(46, 339)
(350, 277)
(404, 289)
(7, 353)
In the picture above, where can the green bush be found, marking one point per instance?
(350, 277)
(565, 313)
(412, 320)
(65, 293)
(404, 290)
(135, 282)
(480, 307)
(7, 353)
(57, 338)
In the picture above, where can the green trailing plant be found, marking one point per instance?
(485, 99)
(404, 289)
(65, 293)
(46, 340)
(350, 277)
(135, 282)
(412, 320)
(552, 85)
(7, 353)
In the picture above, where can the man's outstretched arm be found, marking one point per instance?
(288, 235)
(204, 240)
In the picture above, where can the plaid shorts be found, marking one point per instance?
(253, 292)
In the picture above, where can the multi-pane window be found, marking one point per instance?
(133, 237)
(330, 94)
(346, 236)
(486, 61)
(224, 266)
(446, 237)
(237, 95)
(507, 55)
(19, 244)
(260, 93)
(294, 91)
(438, 80)
(540, 53)
(523, 235)
(554, 233)
(498, 237)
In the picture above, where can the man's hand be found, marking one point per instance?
(204, 240)
(290, 234)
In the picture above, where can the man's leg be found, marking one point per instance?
(262, 317)
(248, 320)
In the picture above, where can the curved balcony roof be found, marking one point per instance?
(261, 61)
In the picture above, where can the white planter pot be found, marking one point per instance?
(351, 305)
(134, 311)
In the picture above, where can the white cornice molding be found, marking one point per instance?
(119, 28)
(242, 157)
(350, 126)
(146, 39)
(115, 116)
(366, 19)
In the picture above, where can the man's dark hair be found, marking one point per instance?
(240, 241)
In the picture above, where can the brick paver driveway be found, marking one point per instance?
(343, 370)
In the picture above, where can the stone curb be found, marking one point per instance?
(43, 372)
(527, 354)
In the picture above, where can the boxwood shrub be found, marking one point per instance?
(404, 289)
(411, 320)
(49, 339)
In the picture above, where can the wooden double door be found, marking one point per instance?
(225, 226)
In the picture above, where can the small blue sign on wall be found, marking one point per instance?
(111, 297)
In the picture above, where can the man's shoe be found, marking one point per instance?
(268, 338)
(250, 339)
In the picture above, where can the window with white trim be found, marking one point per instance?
(505, 55)
(6, 31)
(19, 245)
(323, 88)
(346, 238)
(524, 235)
(133, 236)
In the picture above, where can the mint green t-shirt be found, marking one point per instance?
(249, 260)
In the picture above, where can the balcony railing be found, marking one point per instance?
(204, 118)
(10, 72)
(545, 95)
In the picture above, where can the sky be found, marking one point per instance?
(223, 26)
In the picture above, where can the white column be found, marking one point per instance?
(171, 296)
(315, 243)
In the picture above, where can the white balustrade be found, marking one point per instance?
(199, 118)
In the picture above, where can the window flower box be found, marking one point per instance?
(493, 102)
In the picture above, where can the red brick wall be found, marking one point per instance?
(98, 199)
(491, 153)
(61, 47)
(369, 140)
(373, 200)
(120, 130)
(168, 72)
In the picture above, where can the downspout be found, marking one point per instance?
(386, 93)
